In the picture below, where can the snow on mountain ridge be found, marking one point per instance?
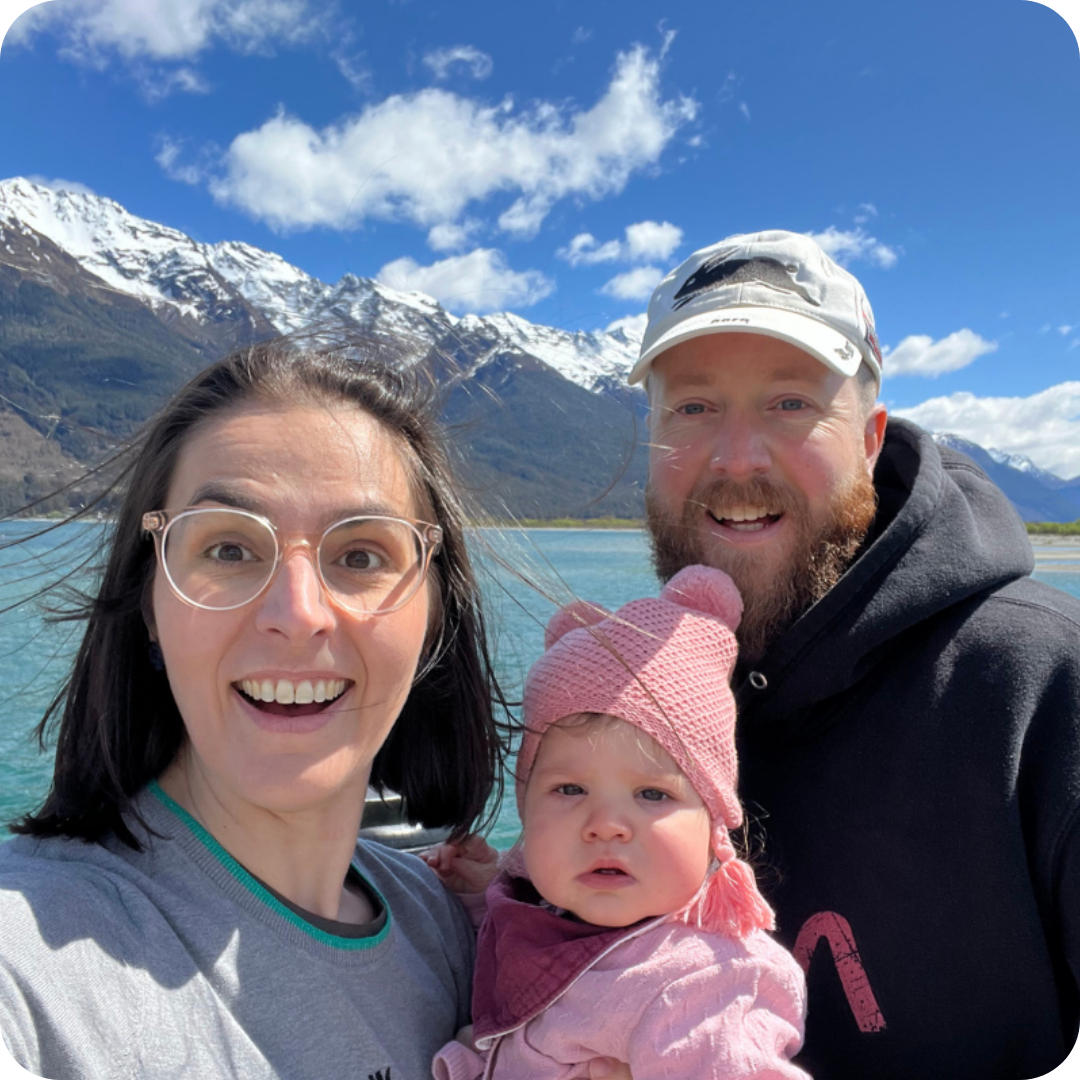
(281, 291)
(142, 258)
(118, 247)
(1013, 461)
(1021, 464)
(583, 357)
(161, 265)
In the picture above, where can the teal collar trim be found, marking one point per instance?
(261, 894)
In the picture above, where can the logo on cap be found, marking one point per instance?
(724, 270)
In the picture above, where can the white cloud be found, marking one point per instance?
(525, 216)
(1065, 331)
(919, 354)
(479, 281)
(581, 35)
(645, 240)
(33, 21)
(168, 158)
(867, 210)
(150, 37)
(728, 87)
(351, 63)
(158, 83)
(633, 326)
(745, 110)
(92, 30)
(72, 186)
(441, 61)
(425, 157)
(586, 250)
(451, 236)
(1044, 427)
(636, 284)
(667, 38)
(652, 239)
(854, 244)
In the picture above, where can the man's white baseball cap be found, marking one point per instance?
(780, 284)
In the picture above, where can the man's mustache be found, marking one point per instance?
(721, 494)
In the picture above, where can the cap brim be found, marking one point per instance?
(821, 341)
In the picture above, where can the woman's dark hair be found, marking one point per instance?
(117, 725)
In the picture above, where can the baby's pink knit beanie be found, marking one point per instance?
(664, 666)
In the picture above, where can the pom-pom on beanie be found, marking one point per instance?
(663, 665)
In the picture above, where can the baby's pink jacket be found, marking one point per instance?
(676, 1003)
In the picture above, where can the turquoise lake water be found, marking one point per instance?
(607, 567)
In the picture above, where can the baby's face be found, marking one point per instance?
(613, 831)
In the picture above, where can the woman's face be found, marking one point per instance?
(304, 468)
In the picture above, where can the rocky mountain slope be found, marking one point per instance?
(1037, 495)
(256, 292)
(103, 314)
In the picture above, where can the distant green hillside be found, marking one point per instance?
(73, 361)
(78, 358)
(539, 446)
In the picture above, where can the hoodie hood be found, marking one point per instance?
(943, 533)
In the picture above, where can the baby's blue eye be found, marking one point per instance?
(570, 789)
(693, 409)
(653, 795)
(792, 405)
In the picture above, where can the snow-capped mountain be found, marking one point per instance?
(586, 358)
(1037, 494)
(104, 314)
(1025, 465)
(1011, 461)
(177, 276)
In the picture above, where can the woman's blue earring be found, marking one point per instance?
(157, 661)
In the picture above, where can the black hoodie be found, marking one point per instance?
(910, 767)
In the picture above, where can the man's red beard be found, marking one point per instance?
(822, 550)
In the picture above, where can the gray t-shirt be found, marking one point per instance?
(175, 962)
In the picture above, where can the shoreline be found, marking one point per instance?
(600, 524)
(1037, 540)
(1059, 554)
(1054, 540)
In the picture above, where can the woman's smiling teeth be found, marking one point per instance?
(745, 518)
(286, 692)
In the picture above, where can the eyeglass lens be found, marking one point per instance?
(222, 559)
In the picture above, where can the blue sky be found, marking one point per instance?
(554, 159)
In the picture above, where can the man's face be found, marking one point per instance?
(760, 464)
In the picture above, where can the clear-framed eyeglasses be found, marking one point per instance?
(220, 559)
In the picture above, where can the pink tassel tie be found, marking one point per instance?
(729, 901)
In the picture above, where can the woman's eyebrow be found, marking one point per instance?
(228, 495)
(372, 509)
(225, 494)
